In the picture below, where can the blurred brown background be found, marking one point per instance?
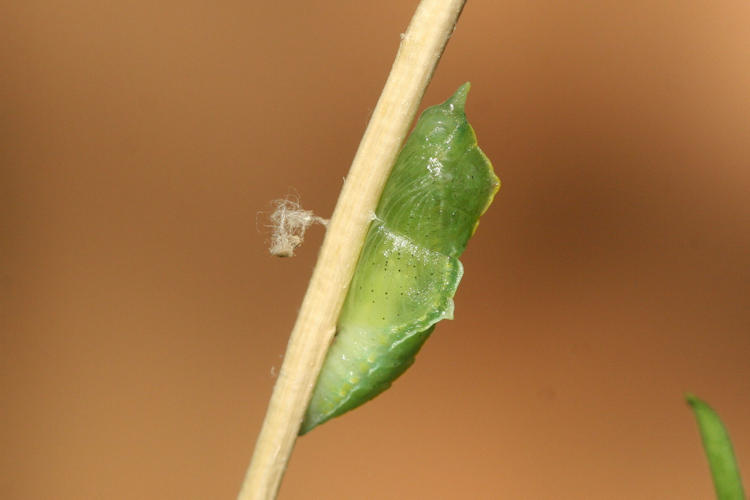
(142, 318)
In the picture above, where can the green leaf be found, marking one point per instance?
(719, 451)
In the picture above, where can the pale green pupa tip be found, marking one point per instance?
(458, 100)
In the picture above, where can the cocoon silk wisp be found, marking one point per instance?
(408, 270)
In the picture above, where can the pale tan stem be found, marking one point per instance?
(418, 54)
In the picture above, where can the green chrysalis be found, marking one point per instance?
(408, 270)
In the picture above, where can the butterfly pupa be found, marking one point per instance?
(408, 270)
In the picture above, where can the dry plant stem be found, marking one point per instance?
(420, 50)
